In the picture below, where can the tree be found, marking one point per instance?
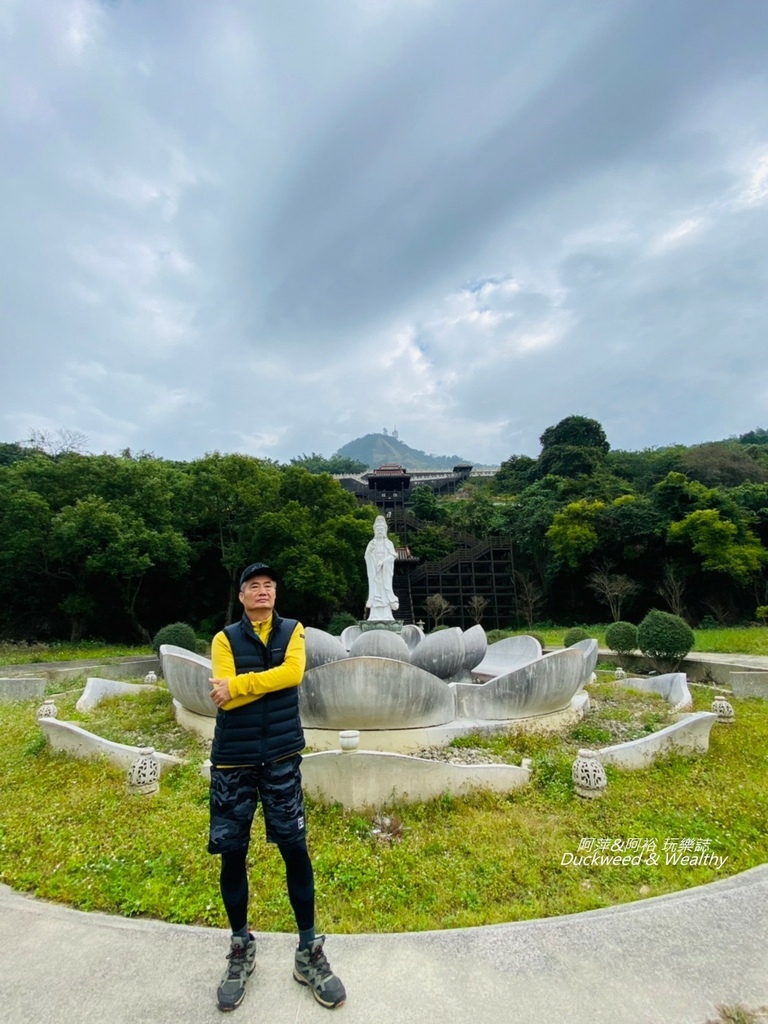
(476, 607)
(664, 638)
(572, 534)
(672, 588)
(431, 543)
(527, 521)
(720, 544)
(530, 596)
(514, 475)
(338, 464)
(477, 515)
(725, 464)
(569, 460)
(576, 432)
(58, 442)
(612, 589)
(14, 452)
(424, 505)
(757, 436)
(437, 608)
(229, 496)
(646, 468)
(96, 539)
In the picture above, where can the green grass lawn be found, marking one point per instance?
(28, 654)
(70, 832)
(742, 640)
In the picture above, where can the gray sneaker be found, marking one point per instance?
(241, 956)
(312, 968)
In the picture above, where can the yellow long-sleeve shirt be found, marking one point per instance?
(249, 686)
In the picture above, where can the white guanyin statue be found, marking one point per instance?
(380, 564)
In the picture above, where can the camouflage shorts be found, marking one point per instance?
(235, 796)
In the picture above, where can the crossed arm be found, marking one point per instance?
(228, 688)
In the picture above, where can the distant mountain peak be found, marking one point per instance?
(376, 449)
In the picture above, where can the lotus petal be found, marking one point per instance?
(373, 693)
(187, 676)
(475, 647)
(413, 635)
(380, 643)
(540, 688)
(442, 653)
(673, 687)
(508, 654)
(349, 635)
(590, 651)
(322, 647)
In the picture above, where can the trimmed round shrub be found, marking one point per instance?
(180, 634)
(621, 637)
(339, 623)
(664, 638)
(574, 635)
(542, 641)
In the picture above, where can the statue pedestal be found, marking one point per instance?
(392, 625)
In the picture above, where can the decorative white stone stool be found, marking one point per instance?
(588, 774)
(144, 773)
(724, 710)
(47, 709)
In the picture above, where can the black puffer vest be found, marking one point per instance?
(269, 728)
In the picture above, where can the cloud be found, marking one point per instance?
(231, 227)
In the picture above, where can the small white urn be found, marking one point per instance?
(150, 677)
(47, 709)
(144, 773)
(588, 774)
(724, 710)
(349, 740)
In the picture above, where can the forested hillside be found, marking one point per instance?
(116, 546)
(601, 534)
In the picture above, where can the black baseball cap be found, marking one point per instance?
(257, 569)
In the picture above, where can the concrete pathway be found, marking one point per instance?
(667, 960)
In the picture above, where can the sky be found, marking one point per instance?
(273, 227)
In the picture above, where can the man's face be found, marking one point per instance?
(257, 596)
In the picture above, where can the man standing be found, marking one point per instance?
(258, 664)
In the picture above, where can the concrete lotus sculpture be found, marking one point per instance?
(187, 675)
(388, 688)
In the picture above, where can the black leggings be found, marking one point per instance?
(298, 875)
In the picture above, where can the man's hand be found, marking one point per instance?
(220, 692)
